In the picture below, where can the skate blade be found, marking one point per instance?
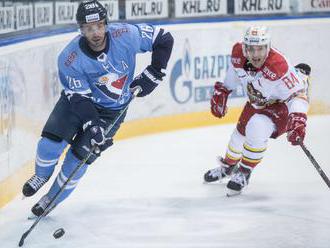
(32, 217)
(231, 193)
(223, 180)
(206, 182)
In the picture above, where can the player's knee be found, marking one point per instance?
(70, 164)
(51, 136)
(259, 128)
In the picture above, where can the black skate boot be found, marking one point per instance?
(238, 181)
(33, 185)
(39, 208)
(218, 173)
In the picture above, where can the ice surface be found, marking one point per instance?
(148, 192)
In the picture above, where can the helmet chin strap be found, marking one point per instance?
(268, 50)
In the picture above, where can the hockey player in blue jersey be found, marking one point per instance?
(96, 71)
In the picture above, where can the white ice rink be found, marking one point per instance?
(148, 192)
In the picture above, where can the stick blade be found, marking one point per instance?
(21, 242)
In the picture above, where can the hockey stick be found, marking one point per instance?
(82, 162)
(315, 163)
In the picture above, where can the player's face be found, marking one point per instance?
(256, 55)
(95, 34)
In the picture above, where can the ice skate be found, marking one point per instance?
(39, 208)
(33, 185)
(219, 173)
(238, 181)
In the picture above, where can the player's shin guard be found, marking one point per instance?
(69, 164)
(252, 155)
(251, 158)
(234, 148)
(228, 164)
(48, 153)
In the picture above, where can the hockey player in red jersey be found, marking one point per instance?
(277, 104)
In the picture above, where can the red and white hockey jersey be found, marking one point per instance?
(276, 81)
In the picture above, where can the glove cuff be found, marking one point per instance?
(154, 75)
(298, 117)
(220, 87)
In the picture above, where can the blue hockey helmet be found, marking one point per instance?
(90, 11)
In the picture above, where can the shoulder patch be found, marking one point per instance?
(119, 32)
(237, 58)
(275, 66)
(70, 58)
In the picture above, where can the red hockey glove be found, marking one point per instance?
(296, 128)
(219, 100)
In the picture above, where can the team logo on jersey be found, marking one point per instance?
(119, 32)
(111, 85)
(255, 96)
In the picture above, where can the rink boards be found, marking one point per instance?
(29, 85)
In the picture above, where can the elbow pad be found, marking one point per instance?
(162, 49)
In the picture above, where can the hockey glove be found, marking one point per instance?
(94, 132)
(296, 128)
(304, 68)
(219, 100)
(148, 80)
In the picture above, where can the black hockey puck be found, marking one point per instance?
(58, 233)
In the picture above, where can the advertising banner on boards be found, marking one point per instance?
(112, 8)
(252, 7)
(193, 8)
(65, 12)
(7, 19)
(200, 57)
(146, 9)
(43, 14)
(24, 16)
(313, 6)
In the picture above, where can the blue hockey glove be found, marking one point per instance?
(148, 80)
(94, 132)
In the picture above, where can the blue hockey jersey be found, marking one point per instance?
(106, 78)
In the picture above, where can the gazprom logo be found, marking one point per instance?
(180, 79)
(192, 77)
(186, 59)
